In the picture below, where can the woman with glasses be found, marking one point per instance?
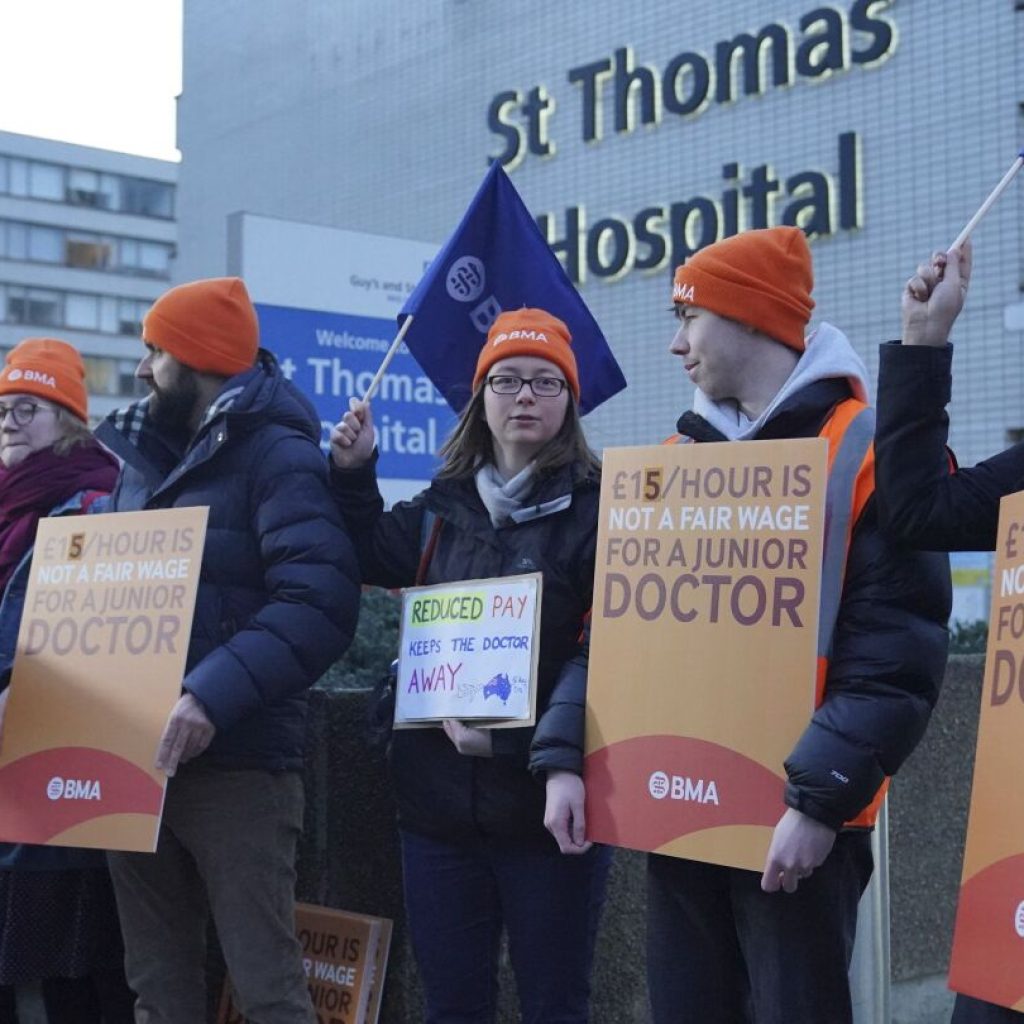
(58, 922)
(517, 493)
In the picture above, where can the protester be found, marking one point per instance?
(724, 944)
(518, 492)
(58, 922)
(921, 501)
(276, 604)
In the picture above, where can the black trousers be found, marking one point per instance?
(722, 951)
(973, 1011)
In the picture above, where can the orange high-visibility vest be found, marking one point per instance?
(850, 431)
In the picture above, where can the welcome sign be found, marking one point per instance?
(100, 658)
(468, 650)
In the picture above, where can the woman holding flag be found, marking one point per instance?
(517, 492)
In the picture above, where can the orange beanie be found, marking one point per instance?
(209, 325)
(49, 369)
(529, 332)
(761, 278)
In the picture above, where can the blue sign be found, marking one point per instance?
(332, 357)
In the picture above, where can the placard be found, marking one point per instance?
(344, 956)
(100, 659)
(468, 650)
(703, 645)
(988, 942)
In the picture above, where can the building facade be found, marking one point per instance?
(87, 241)
(636, 133)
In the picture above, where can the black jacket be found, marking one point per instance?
(920, 501)
(278, 596)
(441, 793)
(889, 648)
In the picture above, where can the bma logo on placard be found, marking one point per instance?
(681, 787)
(1018, 919)
(73, 789)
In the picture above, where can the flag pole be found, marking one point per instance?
(375, 383)
(987, 205)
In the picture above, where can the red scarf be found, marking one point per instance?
(38, 484)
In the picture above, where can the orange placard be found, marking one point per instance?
(100, 658)
(704, 640)
(345, 957)
(988, 943)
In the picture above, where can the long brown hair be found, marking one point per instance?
(471, 443)
(73, 431)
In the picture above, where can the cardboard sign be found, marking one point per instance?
(988, 943)
(703, 645)
(100, 658)
(468, 650)
(344, 956)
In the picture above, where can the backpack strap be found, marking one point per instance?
(430, 530)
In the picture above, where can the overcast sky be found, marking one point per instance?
(97, 72)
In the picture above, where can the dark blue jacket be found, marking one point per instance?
(278, 594)
(920, 501)
(441, 793)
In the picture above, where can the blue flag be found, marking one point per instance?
(498, 260)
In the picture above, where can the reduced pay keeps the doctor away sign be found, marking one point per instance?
(468, 650)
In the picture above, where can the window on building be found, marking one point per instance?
(130, 314)
(45, 245)
(89, 251)
(108, 315)
(45, 181)
(4, 185)
(109, 376)
(81, 311)
(154, 259)
(17, 241)
(148, 198)
(18, 171)
(34, 306)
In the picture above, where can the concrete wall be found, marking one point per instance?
(348, 856)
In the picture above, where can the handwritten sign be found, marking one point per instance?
(468, 650)
(703, 644)
(100, 658)
(988, 942)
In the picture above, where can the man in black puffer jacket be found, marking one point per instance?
(727, 945)
(277, 603)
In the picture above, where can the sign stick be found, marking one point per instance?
(375, 383)
(987, 205)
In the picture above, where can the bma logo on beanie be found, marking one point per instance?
(525, 335)
(761, 278)
(530, 332)
(47, 368)
(35, 376)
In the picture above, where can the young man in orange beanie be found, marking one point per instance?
(277, 604)
(727, 945)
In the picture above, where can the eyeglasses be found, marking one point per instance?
(542, 387)
(23, 412)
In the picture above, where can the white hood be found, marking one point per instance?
(828, 355)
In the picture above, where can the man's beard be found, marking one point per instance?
(172, 407)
